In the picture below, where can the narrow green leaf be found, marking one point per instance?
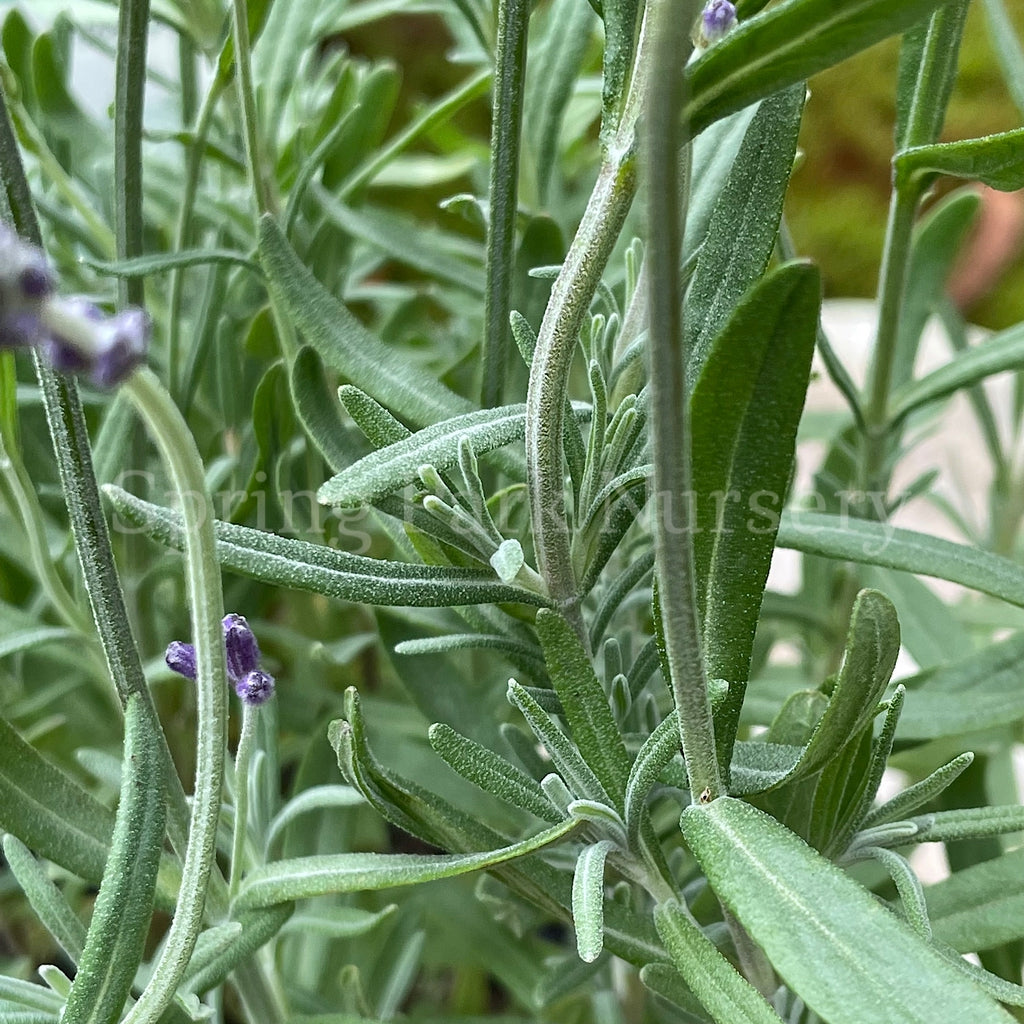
(907, 885)
(25, 640)
(996, 160)
(660, 747)
(837, 949)
(865, 541)
(999, 354)
(29, 995)
(257, 928)
(162, 263)
(316, 798)
(936, 245)
(786, 44)
(523, 655)
(745, 411)
(968, 823)
(50, 812)
(47, 901)
(981, 906)
(1006, 45)
(379, 427)
(667, 982)
(976, 692)
(742, 231)
(584, 702)
(909, 799)
(588, 899)
(387, 470)
(301, 565)
(872, 647)
(576, 772)
(346, 345)
(491, 772)
(115, 944)
(724, 992)
(320, 414)
(305, 877)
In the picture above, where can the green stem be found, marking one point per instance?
(185, 468)
(247, 98)
(129, 102)
(670, 433)
(506, 136)
(243, 759)
(193, 170)
(70, 438)
(571, 295)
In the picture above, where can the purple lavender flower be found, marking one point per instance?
(251, 683)
(255, 688)
(124, 340)
(181, 658)
(242, 649)
(74, 335)
(717, 19)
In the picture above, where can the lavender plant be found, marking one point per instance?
(493, 445)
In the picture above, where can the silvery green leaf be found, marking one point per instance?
(594, 729)
(524, 656)
(996, 160)
(508, 560)
(979, 907)
(873, 543)
(47, 901)
(316, 798)
(345, 345)
(601, 815)
(301, 565)
(723, 991)
(909, 799)
(304, 877)
(28, 995)
(588, 899)
(338, 922)
(378, 425)
(837, 949)
(907, 885)
(968, 823)
(491, 772)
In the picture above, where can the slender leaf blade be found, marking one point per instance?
(837, 949)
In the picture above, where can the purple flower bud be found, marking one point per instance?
(718, 18)
(181, 658)
(63, 356)
(256, 688)
(123, 344)
(36, 280)
(242, 649)
(20, 329)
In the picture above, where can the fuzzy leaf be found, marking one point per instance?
(723, 991)
(785, 44)
(304, 877)
(837, 948)
(588, 899)
(996, 160)
(865, 541)
(301, 565)
(346, 345)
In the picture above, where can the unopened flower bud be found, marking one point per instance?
(255, 688)
(243, 652)
(718, 17)
(181, 658)
(124, 339)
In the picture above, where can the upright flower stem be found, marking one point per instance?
(247, 98)
(178, 450)
(670, 434)
(70, 437)
(571, 295)
(243, 758)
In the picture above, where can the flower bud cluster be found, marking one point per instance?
(251, 683)
(74, 335)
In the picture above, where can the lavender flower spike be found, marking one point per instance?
(718, 18)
